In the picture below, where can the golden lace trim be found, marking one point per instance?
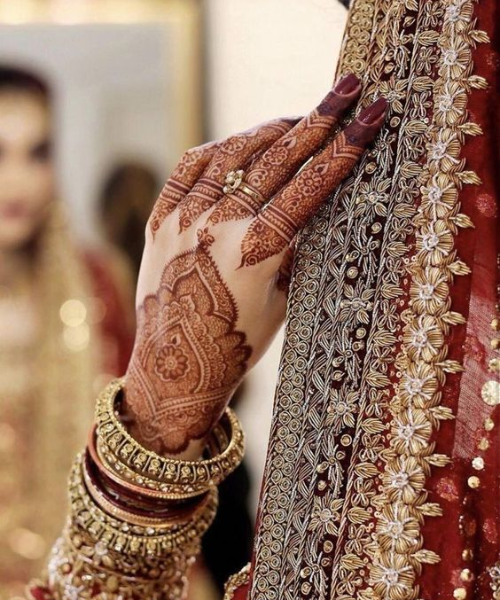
(423, 359)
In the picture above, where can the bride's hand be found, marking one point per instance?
(213, 281)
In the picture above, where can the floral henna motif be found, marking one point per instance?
(171, 363)
(282, 160)
(189, 357)
(274, 227)
(233, 154)
(187, 172)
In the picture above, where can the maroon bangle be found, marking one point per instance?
(125, 496)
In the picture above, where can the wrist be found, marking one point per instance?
(166, 417)
(144, 429)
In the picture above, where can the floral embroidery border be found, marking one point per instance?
(323, 490)
(423, 359)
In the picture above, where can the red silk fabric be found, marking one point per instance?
(471, 518)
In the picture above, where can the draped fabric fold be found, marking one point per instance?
(383, 470)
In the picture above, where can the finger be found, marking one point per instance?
(232, 155)
(283, 159)
(183, 178)
(273, 228)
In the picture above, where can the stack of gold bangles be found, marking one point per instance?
(136, 518)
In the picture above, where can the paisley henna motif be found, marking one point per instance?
(188, 357)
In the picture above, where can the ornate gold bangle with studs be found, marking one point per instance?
(145, 493)
(176, 479)
(121, 473)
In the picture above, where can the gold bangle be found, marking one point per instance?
(107, 464)
(108, 507)
(178, 479)
(132, 538)
(120, 473)
(138, 484)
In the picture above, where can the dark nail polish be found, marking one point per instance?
(373, 112)
(347, 84)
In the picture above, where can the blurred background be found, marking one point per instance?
(98, 100)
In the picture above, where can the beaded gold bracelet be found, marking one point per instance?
(86, 564)
(175, 479)
(136, 518)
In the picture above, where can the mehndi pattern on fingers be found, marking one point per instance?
(277, 165)
(233, 154)
(185, 175)
(275, 226)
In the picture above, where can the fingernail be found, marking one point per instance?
(373, 112)
(347, 84)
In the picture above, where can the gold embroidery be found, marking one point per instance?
(332, 524)
(491, 392)
(494, 573)
(422, 358)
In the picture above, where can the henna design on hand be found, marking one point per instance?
(189, 357)
(233, 154)
(191, 348)
(273, 228)
(282, 160)
(185, 175)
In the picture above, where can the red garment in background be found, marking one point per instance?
(116, 330)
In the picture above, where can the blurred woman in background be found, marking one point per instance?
(65, 327)
(127, 198)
